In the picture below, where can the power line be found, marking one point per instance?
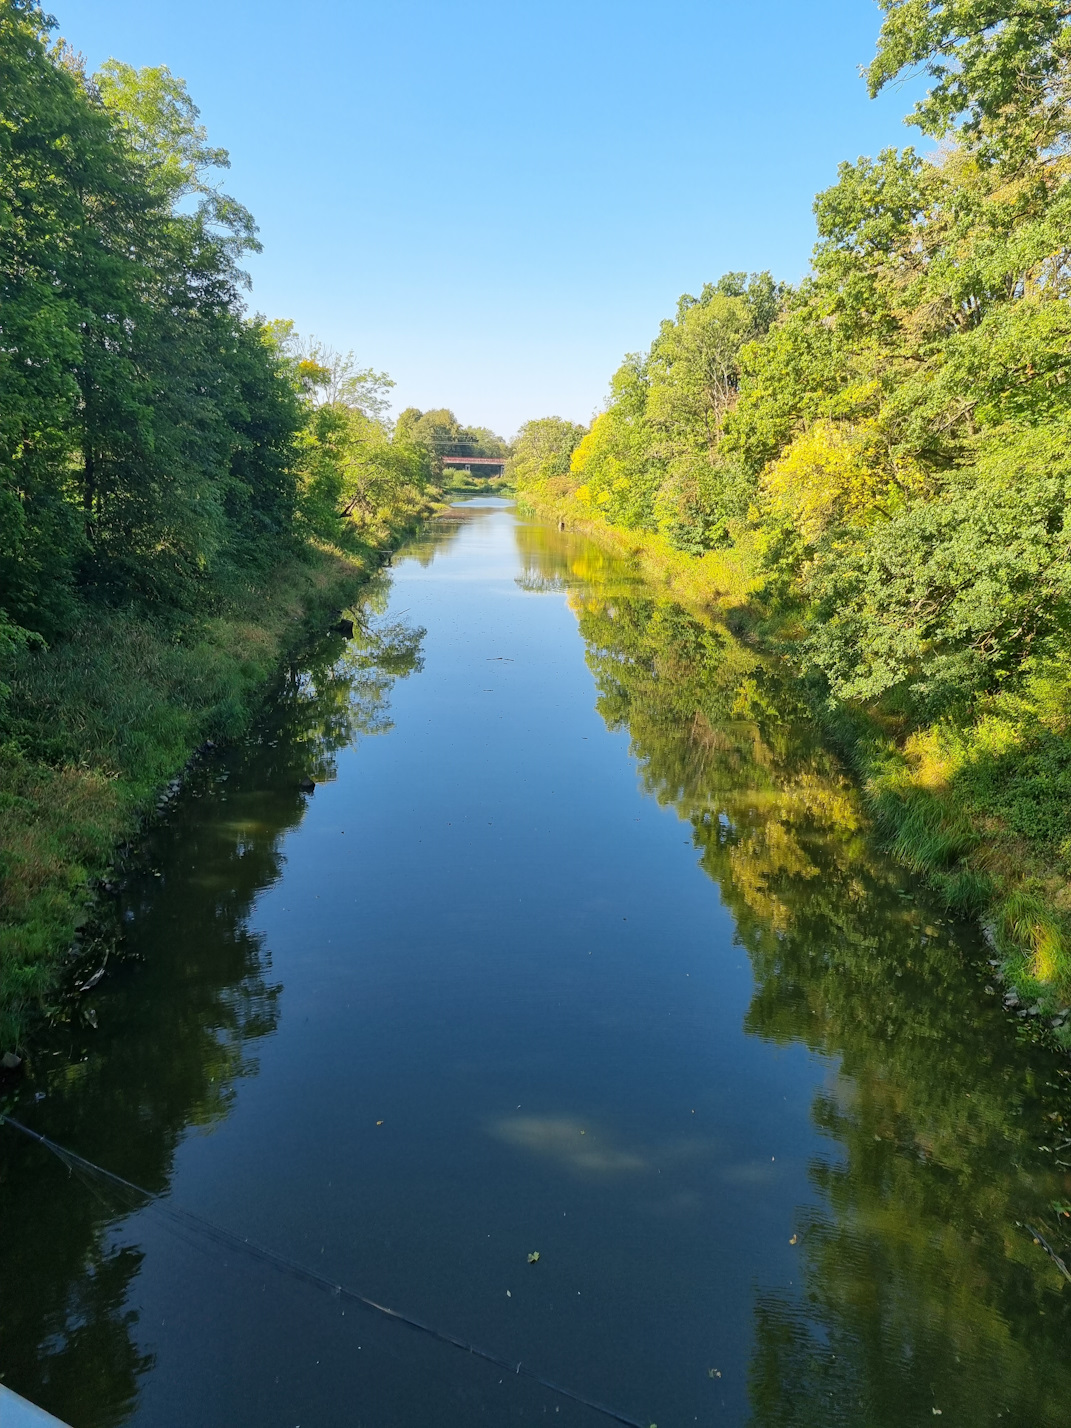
(310, 1276)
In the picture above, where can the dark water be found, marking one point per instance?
(580, 947)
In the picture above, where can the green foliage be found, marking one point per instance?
(950, 597)
(357, 481)
(889, 442)
(931, 342)
(620, 473)
(440, 434)
(1001, 63)
(152, 438)
(884, 453)
(97, 722)
(326, 377)
(162, 456)
(157, 118)
(542, 452)
(654, 460)
(147, 428)
(53, 145)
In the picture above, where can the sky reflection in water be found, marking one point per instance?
(475, 998)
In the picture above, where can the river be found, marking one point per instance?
(580, 949)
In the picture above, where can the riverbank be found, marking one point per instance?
(103, 720)
(981, 811)
(568, 926)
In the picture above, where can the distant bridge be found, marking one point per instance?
(466, 463)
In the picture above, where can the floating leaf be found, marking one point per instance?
(533, 1258)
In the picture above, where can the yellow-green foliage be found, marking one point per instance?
(833, 474)
(718, 582)
(539, 463)
(873, 471)
(357, 480)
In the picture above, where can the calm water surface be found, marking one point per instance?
(580, 947)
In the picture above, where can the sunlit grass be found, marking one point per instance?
(979, 805)
(716, 582)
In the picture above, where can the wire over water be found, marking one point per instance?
(310, 1276)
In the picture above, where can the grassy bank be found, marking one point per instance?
(104, 718)
(980, 808)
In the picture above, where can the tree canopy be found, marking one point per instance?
(155, 438)
(888, 441)
(439, 433)
(997, 66)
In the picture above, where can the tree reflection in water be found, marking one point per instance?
(179, 1026)
(921, 1287)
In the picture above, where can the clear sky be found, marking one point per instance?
(494, 200)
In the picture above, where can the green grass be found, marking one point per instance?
(100, 721)
(980, 808)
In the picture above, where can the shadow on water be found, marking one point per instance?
(919, 1290)
(922, 1286)
(159, 1047)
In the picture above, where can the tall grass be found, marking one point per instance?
(99, 722)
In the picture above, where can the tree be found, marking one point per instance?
(441, 434)
(146, 429)
(359, 481)
(1000, 66)
(655, 458)
(542, 452)
(330, 378)
(157, 118)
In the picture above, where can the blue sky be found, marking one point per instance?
(493, 202)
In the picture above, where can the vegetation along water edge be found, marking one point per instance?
(865, 475)
(868, 474)
(186, 489)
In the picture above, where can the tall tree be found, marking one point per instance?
(1000, 67)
